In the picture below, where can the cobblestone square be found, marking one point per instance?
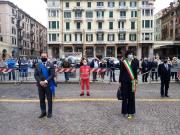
(75, 115)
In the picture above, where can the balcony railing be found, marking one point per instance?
(100, 19)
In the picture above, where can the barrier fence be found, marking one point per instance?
(19, 75)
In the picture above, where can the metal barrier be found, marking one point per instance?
(17, 76)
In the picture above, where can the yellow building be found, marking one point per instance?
(100, 28)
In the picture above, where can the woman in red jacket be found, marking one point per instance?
(84, 76)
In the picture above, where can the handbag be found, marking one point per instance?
(119, 93)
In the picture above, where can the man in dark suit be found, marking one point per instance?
(44, 75)
(164, 71)
(126, 83)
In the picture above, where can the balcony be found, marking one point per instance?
(100, 8)
(122, 18)
(78, 8)
(20, 46)
(100, 42)
(122, 30)
(20, 37)
(100, 19)
(78, 31)
(122, 8)
(147, 7)
(77, 42)
(99, 31)
(78, 19)
(32, 32)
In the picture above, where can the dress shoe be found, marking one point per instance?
(88, 94)
(166, 96)
(162, 96)
(42, 115)
(130, 117)
(82, 94)
(49, 115)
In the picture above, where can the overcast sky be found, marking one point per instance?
(37, 8)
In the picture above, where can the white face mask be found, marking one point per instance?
(130, 57)
(85, 63)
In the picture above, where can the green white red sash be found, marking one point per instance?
(131, 74)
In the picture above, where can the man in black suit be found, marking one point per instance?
(44, 75)
(164, 71)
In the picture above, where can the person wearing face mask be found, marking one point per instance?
(84, 76)
(164, 71)
(44, 75)
(128, 80)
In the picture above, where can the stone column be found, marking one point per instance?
(150, 51)
(115, 49)
(105, 50)
(139, 51)
(94, 51)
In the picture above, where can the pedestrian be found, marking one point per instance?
(128, 80)
(103, 66)
(112, 70)
(95, 64)
(145, 70)
(11, 64)
(84, 76)
(66, 64)
(44, 75)
(164, 71)
(2, 65)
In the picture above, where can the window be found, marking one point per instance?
(78, 37)
(12, 20)
(122, 4)
(67, 37)
(122, 36)
(132, 25)
(133, 4)
(78, 25)
(67, 4)
(89, 4)
(54, 37)
(13, 31)
(147, 36)
(89, 26)
(67, 14)
(99, 25)
(110, 25)
(100, 4)
(89, 14)
(67, 26)
(89, 37)
(133, 13)
(121, 24)
(53, 24)
(111, 4)
(78, 13)
(100, 14)
(100, 37)
(122, 13)
(110, 37)
(110, 14)
(78, 4)
(132, 37)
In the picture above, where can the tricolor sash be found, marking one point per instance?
(131, 74)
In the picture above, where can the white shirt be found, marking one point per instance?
(95, 64)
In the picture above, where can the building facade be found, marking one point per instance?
(167, 31)
(20, 34)
(100, 28)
